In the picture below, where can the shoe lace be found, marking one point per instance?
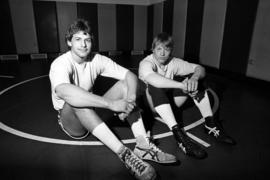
(150, 140)
(133, 163)
(213, 130)
(152, 149)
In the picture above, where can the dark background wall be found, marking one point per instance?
(229, 35)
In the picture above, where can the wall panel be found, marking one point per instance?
(124, 27)
(158, 18)
(66, 14)
(46, 26)
(237, 35)
(150, 24)
(24, 27)
(179, 27)
(140, 27)
(7, 40)
(88, 11)
(168, 16)
(193, 30)
(212, 32)
(259, 57)
(107, 27)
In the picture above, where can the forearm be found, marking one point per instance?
(162, 82)
(199, 73)
(78, 97)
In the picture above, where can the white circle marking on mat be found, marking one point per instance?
(95, 143)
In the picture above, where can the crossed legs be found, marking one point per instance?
(78, 121)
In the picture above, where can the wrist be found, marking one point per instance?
(131, 97)
(195, 77)
(182, 86)
(109, 104)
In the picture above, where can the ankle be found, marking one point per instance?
(141, 141)
(121, 151)
(178, 133)
(209, 121)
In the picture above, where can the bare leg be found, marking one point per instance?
(119, 91)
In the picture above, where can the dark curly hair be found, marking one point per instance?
(76, 26)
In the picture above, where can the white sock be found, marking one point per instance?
(105, 135)
(204, 106)
(166, 113)
(138, 128)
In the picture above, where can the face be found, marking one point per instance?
(161, 53)
(80, 44)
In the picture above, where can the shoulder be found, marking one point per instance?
(177, 60)
(98, 58)
(63, 58)
(62, 61)
(148, 60)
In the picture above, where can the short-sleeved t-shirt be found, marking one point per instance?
(176, 67)
(65, 70)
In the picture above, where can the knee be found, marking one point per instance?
(179, 101)
(122, 87)
(157, 96)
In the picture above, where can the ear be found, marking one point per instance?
(69, 43)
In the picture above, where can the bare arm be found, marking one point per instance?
(78, 97)
(162, 82)
(199, 73)
(192, 82)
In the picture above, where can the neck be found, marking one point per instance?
(77, 59)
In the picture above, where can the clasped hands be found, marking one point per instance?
(190, 86)
(123, 107)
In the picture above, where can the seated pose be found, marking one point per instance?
(72, 76)
(160, 71)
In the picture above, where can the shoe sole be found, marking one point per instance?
(167, 162)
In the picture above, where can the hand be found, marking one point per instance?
(192, 85)
(193, 94)
(122, 116)
(184, 86)
(121, 106)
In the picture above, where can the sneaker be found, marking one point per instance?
(187, 145)
(137, 167)
(147, 150)
(214, 129)
(219, 134)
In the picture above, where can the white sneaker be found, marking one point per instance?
(147, 150)
(137, 167)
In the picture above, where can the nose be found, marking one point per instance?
(83, 44)
(162, 52)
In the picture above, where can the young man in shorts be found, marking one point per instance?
(72, 76)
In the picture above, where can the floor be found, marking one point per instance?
(33, 147)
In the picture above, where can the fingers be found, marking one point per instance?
(129, 107)
(122, 116)
(193, 94)
(192, 85)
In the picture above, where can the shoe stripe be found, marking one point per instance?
(153, 154)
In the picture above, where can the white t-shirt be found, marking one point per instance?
(176, 67)
(65, 70)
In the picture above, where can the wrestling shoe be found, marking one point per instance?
(137, 167)
(215, 130)
(187, 145)
(147, 150)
